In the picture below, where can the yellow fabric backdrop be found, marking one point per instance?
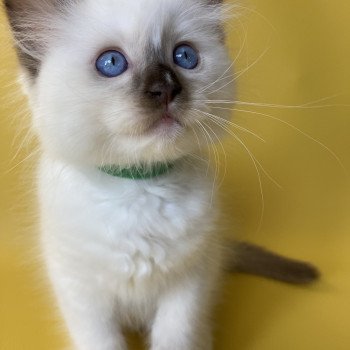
(307, 46)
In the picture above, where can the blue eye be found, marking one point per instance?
(186, 57)
(111, 64)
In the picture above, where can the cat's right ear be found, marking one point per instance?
(29, 23)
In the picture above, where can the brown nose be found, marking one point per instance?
(162, 85)
(164, 93)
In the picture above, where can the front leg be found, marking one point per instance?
(89, 313)
(182, 319)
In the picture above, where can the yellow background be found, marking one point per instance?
(307, 46)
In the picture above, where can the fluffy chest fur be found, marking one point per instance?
(112, 229)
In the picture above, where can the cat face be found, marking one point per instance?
(120, 81)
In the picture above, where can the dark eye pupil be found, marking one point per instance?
(113, 60)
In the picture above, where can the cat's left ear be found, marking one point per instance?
(30, 24)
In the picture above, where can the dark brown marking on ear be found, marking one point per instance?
(21, 11)
(31, 64)
(16, 10)
(252, 259)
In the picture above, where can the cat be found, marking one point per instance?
(119, 93)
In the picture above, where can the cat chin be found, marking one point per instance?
(162, 144)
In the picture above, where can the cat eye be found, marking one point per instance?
(111, 64)
(186, 56)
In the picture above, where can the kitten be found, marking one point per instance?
(118, 91)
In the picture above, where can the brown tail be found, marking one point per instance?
(252, 259)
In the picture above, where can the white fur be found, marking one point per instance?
(142, 254)
(130, 253)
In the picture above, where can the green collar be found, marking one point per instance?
(141, 172)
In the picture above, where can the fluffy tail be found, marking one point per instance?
(252, 259)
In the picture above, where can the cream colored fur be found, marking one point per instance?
(123, 253)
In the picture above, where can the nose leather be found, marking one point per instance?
(162, 85)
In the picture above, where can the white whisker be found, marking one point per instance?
(243, 71)
(332, 153)
(238, 127)
(223, 151)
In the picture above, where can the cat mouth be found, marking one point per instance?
(167, 124)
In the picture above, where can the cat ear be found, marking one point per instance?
(29, 21)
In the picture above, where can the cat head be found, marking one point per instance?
(120, 81)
